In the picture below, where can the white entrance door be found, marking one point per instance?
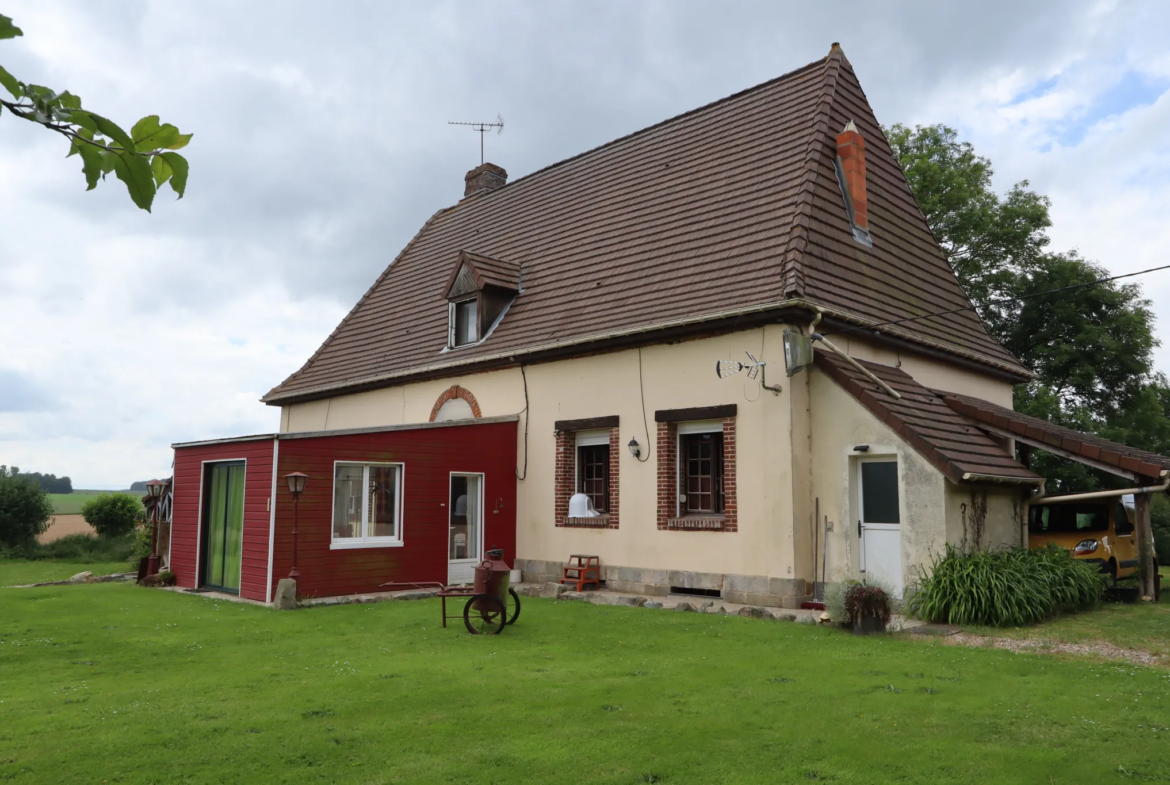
(879, 523)
(465, 527)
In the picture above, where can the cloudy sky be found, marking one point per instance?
(321, 146)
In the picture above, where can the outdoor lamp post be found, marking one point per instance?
(154, 490)
(296, 486)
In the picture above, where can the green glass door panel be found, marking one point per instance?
(223, 526)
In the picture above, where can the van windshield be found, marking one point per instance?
(1068, 518)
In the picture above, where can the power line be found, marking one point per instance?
(998, 301)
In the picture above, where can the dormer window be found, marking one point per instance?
(479, 292)
(464, 324)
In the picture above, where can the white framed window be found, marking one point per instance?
(463, 328)
(700, 468)
(367, 505)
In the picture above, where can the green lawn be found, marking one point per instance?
(18, 572)
(70, 503)
(1143, 626)
(116, 683)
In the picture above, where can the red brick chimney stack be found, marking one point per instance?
(484, 178)
(851, 150)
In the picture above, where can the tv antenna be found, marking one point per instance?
(754, 368)
(483, 128)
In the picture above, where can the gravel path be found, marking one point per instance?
(1040, 646)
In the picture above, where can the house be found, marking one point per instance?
(559, 335)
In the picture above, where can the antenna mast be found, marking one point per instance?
(483, 128)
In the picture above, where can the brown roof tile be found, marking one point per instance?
(949, 441)
(1139, 462)
(729, 208)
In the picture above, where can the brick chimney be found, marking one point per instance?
(484, 178)
(851, 151)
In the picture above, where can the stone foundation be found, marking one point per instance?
(741, 589)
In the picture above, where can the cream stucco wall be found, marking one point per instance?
(1003, 515)
(840, 423)
(932, 373)
(793, 451)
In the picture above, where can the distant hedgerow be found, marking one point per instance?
(1005, 587)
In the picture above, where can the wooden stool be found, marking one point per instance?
(582, 571)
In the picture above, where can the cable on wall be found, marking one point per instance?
(524, 376)
(642, 393)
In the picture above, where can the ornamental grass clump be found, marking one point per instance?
(1005, 587)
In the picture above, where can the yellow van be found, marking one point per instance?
(1099, 531)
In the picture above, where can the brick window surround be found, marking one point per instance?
(566, 481)
(452, 392)
(668, 518)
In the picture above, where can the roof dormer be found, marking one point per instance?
(479, 291)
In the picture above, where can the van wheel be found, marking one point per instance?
(1112, 571)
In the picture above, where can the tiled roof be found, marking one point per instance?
(494, 272)
(953, 444)
(1046, 435)
(729, 209)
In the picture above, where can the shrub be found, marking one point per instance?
(1005, 587)
(112, 514)
(862, 601)
(25, 510)
(84, 548)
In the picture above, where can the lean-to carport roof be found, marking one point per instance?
(1090, 450)
(722, 213)
(951, 442)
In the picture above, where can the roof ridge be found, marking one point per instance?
(792, 266)
(358, 304)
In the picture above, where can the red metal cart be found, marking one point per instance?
(491, 603)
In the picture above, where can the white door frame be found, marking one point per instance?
(864, 526)
(462, 570)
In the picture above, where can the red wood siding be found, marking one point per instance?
(185, 518)
(429, 456)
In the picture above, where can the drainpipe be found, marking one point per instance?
(890, 390)
(1076, 497)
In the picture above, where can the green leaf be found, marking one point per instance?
(11, 83)
(144, 127)
(91, 164)
(85, 121)
(112, 130)
(7, 29)
(75, 146)
(69, 100)
(149, 135)
(161, 169)
(183, 140)
(108, 161)
(134, 171)
(178, 166)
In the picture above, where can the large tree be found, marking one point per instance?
(1090, 346)
(143, 159)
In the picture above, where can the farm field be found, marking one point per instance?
(119, 683)
(70, 503)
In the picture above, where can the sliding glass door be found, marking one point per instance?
(223, 526)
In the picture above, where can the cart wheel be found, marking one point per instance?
(513, 606)
(489, 619)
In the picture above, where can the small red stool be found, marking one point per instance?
(582, 571)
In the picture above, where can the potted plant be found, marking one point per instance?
(868, 608)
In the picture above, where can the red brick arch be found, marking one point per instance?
(452, 392)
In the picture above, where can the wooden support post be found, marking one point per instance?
(1145, 541)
